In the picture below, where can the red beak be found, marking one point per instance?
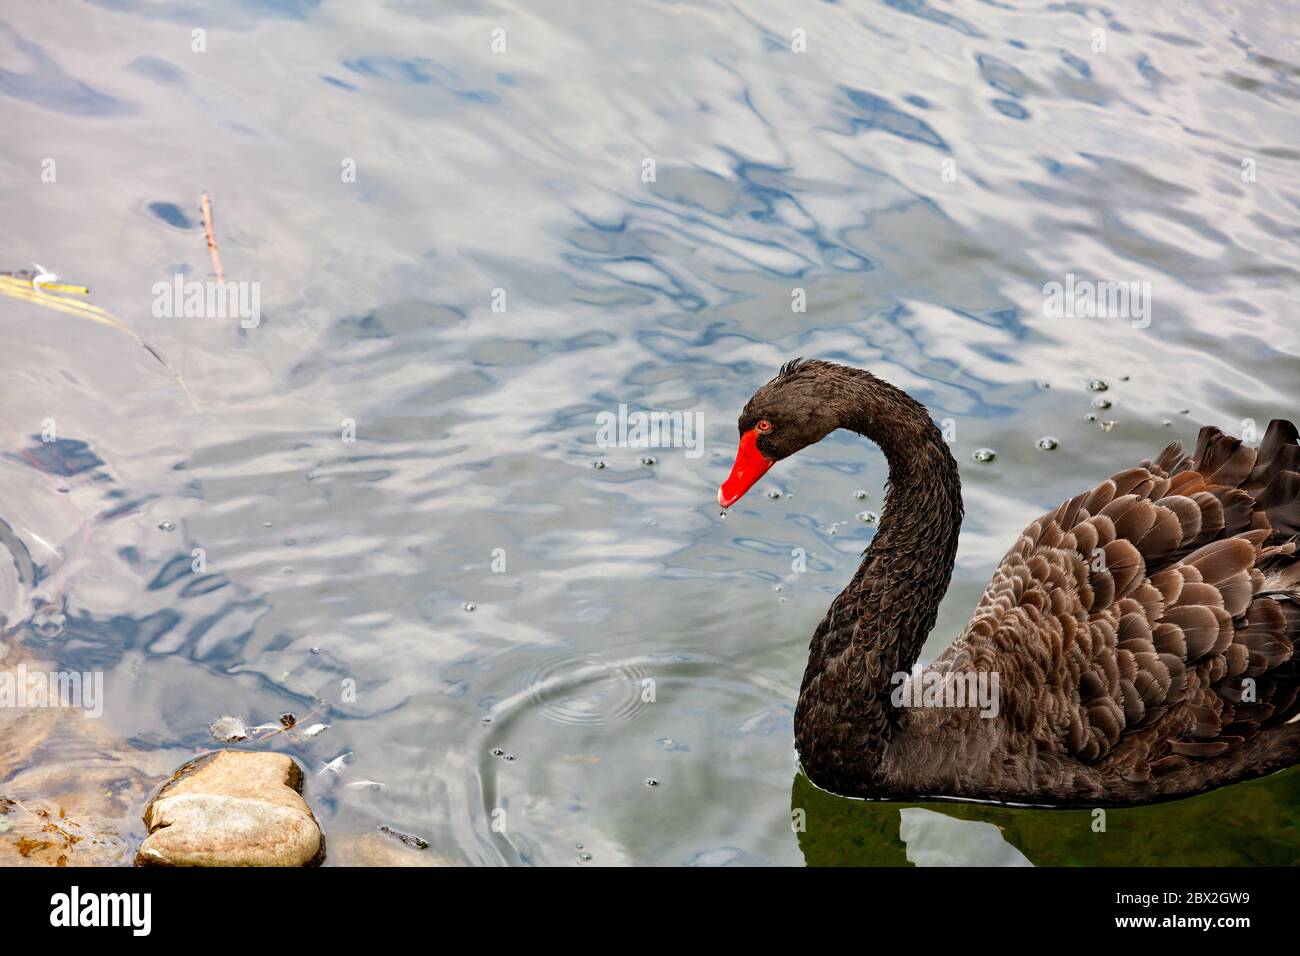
(749, 467)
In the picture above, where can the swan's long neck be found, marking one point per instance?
(877, 625)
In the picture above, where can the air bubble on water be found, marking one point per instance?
(984, 454)
(470, 606)
(166, 525)
(1101, 403)
(860, 495)
(598, 464)
(773, 493)
(868, 517)
(648, 460)
(1097, 385)
(1048, 443)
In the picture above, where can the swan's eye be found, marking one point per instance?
(764, 426)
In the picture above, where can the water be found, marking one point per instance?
(619, 632)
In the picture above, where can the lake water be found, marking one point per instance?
(461, 257)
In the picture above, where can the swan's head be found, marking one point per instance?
(798, 408)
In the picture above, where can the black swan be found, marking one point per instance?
(1141, 633)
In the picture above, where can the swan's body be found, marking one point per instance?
(1129, 628)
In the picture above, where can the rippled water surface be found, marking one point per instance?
(623, 687)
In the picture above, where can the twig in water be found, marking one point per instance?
(18, 286)
(205, 204)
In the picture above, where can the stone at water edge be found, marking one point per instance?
(232, 808)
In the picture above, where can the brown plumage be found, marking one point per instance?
(1142, 634)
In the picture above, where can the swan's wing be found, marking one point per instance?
(1152, 621)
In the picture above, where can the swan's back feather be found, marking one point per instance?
(1149, 626)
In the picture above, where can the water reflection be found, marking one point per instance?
(1250, 824)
